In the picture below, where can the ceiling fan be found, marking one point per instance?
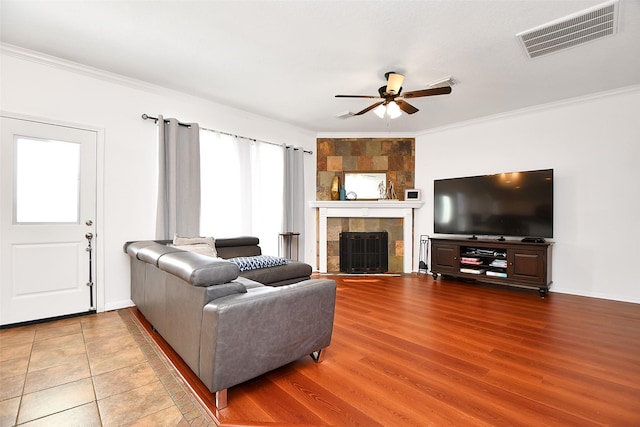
(393, 100)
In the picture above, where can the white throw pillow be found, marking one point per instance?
(201, 245)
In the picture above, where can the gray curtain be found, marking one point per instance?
(293, 199)
(179, 179)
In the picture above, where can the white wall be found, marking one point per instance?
(58, 91)
(593, 145)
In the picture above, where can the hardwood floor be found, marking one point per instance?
(413, 351)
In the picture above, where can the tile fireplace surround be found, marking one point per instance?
(367, 209)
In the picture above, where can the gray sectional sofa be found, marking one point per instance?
(226, 327)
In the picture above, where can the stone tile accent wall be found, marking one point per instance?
(395, 156)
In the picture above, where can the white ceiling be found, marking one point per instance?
(288, 59)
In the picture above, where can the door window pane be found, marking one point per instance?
(47, 181)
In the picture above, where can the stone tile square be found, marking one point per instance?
(365, 163)
(85, 416)
(55, 399)
(123, 379)
(76, 369)
(109, 344)
(349, 163)
(100, 333)
(46, 358)
(127, 407)
(11, 387)
(54, 324)
(13, 367)
(9, 411)
(49, 331)
(380, 163)
(334, 163)
(17, 336)
(169, 417)
(105, 362)
(63, 341)
(14, 352)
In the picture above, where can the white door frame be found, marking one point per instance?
(99, 254)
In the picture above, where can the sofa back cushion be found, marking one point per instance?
(238, 247)
(152, 253)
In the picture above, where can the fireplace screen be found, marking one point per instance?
(364, 252)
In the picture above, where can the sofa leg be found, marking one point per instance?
(318, 356)
(221, 399)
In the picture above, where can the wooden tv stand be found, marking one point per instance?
(508, 262)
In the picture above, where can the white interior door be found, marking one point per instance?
(47, 213)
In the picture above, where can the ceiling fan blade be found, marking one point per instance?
(406, 107)
(427, 92)
(369, 108)
(356, 96)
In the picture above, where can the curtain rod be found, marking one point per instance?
(148, 117)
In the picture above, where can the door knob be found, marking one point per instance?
(89, 222)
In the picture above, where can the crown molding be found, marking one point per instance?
(387, 135)
(66, 65)
(532, 109)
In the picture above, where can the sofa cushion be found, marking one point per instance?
(197, 269)
(256, 262)
(293, 271)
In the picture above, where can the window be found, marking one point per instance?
(47, 181)
(241, 188)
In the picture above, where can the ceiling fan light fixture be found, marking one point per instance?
(380, 110)
(393, 110)
(387, 95)
(394, 83)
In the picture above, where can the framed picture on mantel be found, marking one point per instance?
(412, 194)
(366, 185)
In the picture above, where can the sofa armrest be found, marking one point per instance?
(198, 269)
(247, 335)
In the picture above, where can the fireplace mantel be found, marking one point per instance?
(367, 209)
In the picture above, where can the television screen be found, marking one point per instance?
(506, 204)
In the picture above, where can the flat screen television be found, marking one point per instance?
(514, 204)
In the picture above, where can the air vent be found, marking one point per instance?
(582, 27)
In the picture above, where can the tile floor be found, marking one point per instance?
(96, 370)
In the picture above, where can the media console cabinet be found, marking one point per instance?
(508, 262)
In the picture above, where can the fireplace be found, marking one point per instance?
(366, 209)
(364, 252)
